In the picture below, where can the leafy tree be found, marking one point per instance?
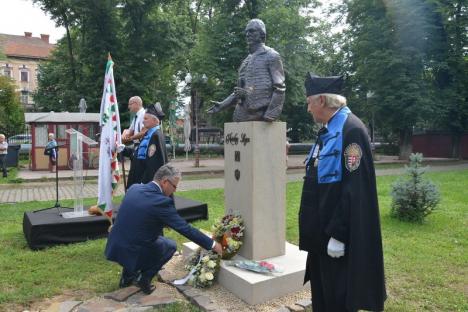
(389, 55)
(11, 110)
(220, 39)
(450, 76)
(56, 89)
(146, 38)
(63, 16)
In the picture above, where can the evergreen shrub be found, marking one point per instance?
(414, 198)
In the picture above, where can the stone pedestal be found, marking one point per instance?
(255, 187)
(255, 184)
(255, 288)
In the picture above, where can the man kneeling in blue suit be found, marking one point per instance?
(136, 240)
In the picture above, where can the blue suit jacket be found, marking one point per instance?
(144, 211)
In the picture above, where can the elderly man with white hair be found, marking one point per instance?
(151, 152)
(339, 223)
(3, 154)
(136, 130)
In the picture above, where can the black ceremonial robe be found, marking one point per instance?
(157, 159)
(339, 200)
(143, 170)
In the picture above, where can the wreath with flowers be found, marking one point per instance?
(229, 232)
(204, 265)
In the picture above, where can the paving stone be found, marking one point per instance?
(192, 292)
(304, 303)
(134, 309)
(282, 309)
(100, 305)
(210, 307)
(164, 276)
(158, 297)
(182, 288)
(296, 308)
(155, 301)
(122, 294)
(203, 302)
(68, 306)
(134, 299)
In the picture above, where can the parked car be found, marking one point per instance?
(24, 140)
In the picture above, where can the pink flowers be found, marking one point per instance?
(267, 265)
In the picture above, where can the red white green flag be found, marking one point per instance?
(111, 143)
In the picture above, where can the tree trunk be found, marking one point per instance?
(456, 138)
(405, 143)
(70, 48)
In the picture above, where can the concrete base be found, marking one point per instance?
(255, 288)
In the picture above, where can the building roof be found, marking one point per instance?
(26, 46)
(60, 117)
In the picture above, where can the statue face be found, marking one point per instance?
(253, 34)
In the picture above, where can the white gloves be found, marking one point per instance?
(335, 248)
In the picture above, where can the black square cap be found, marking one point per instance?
(318, 85)
(156, 110)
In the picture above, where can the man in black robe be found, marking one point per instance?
(339, 223)
(151, 153)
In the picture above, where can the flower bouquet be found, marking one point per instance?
(229, 232)
(204, 267)
(255, 266)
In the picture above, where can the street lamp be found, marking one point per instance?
(195, 100)
(370, 95)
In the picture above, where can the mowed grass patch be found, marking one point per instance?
(425, 265)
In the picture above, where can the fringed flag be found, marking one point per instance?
(111, 143)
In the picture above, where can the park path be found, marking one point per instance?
(45, 191)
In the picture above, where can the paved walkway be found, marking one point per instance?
(35, 190)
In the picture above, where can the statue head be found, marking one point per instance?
(255, 31)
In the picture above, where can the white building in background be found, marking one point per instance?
(19, 60)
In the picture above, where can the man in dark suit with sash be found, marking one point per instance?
(136, 240)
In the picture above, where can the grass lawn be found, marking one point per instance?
(425, 265)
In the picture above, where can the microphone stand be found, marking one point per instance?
(57, 203)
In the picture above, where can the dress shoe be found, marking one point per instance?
(145, 285)
(126, 279)
(125, 282)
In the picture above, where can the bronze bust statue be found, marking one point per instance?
(259, 94)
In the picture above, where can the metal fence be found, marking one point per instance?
(17, 136)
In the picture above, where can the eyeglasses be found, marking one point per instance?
(170, 182)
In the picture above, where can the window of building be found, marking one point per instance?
(24, 97)
(24, 76)
(92, 132)
(40, 135)
(61, 134)
(7, 70)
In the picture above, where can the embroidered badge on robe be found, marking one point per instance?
(151, 150)
(352, 155)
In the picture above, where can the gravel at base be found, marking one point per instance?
(226, 300)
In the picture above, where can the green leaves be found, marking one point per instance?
(11, 110)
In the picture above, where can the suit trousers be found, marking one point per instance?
(328, 279)
(3, 164)
(165, 248)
